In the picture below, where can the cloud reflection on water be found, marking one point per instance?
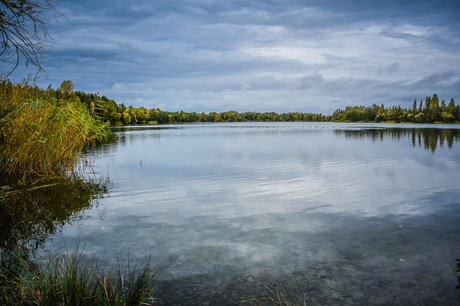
(266, 200)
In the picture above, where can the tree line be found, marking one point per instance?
(108, 111)
(428, 111)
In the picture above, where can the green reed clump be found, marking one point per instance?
(42, 132)
(14, 271)
(68, 281)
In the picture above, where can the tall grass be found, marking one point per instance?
(42, 132)
(68, 281)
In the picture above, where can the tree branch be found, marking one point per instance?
(24, 31)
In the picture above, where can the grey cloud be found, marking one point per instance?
(393, 68)
(310, 81)
(388, 69)
(445, 84)
(205, 55)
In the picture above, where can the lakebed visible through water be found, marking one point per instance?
(341, 214)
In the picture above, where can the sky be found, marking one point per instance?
(257, 55)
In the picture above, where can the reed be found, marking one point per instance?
(42, 132)
(68, 281)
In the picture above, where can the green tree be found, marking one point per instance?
(65, 91)
(381, 114)
(126, 117)
(215, 117)
(414, 106)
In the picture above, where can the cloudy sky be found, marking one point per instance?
(258, 55)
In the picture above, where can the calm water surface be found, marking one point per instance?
(343, 214)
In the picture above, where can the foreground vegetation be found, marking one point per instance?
(67, 280)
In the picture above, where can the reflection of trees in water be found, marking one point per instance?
(122, 136)
(29, 216)
(429, 138)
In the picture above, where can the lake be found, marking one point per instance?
(341, 214)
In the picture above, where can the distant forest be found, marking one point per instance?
(109, 112)
(429, 111)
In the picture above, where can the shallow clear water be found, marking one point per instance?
(341, 213)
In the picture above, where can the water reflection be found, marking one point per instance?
(30, 215)
(428, 138)
(223, 208)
